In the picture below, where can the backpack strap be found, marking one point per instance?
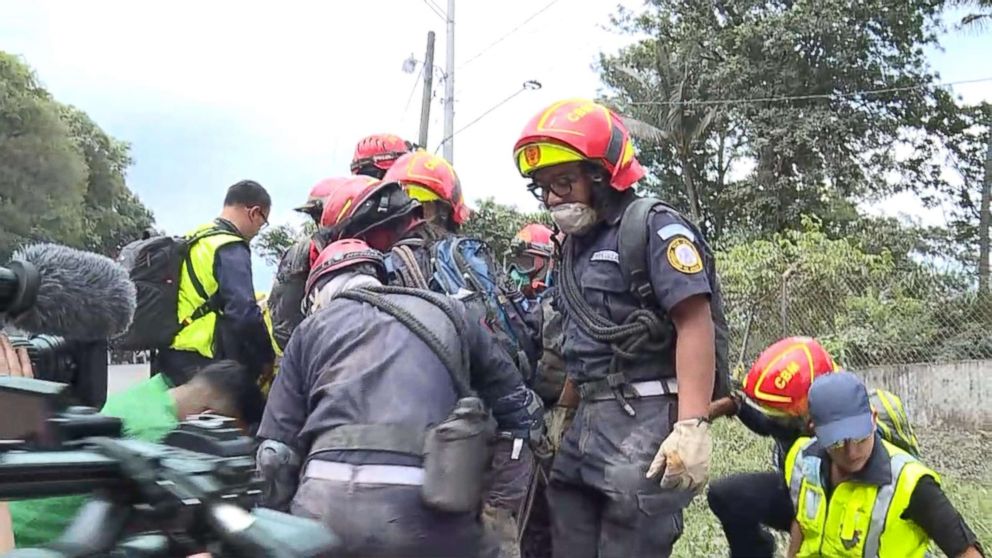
(210, 302)
(632, 246)
(456, 364)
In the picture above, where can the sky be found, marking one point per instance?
(208, 93)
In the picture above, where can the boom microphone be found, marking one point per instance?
(57, 290)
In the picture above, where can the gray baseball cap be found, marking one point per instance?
(839, 407)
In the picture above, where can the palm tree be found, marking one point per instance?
(980, 15)
(673, 121)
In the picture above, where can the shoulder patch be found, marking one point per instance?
(684, 257)
(606, 256)
(676, 229)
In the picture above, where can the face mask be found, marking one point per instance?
(519, 279)
(574, 218)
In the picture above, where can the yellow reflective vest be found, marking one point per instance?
(198, 332)
(860, 519)
(265, 380)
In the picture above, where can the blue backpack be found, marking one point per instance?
(464, 267)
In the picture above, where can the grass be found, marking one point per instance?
(961, 458)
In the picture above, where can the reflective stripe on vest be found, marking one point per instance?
(198, 336)
(886, 534)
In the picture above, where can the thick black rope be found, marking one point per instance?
(643, 330)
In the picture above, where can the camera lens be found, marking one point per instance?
(51, 356)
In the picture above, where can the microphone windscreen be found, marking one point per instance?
(81, 295)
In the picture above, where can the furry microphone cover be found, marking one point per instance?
(82, 295)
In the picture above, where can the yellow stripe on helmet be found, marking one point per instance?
(535, 156)
(420, 193)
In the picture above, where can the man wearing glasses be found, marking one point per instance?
(856, 494)
(640, 350)
(218, 271)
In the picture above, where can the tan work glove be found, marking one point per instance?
(684, 456)
(557, 420)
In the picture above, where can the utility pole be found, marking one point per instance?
(449, 87)
(425, 104)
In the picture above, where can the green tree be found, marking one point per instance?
(497, 224)
(273, 242)
(42, 172)
(61, 176)
(869, 308)
(112, 214)
(759, 110)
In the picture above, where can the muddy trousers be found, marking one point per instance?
(386, 521)
(602, 506)
(746, 502)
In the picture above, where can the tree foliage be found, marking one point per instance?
(273, 242)
(497, 224)
(62, 178)
(759, 106)
(868, 308)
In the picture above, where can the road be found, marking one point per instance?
(123, 376)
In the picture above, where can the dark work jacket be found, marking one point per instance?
(351, 363)
(286, 298)
(605, 289)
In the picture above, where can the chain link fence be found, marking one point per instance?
(864, 319)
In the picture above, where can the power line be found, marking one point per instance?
(435, 9)
(480, 117)
(745, 101)
(439, 9)
(507, 34)
(409, 99)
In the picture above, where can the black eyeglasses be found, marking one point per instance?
(265, 218)
(560, 185)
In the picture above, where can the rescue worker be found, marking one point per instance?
(375, 154)
(529, 260)
(643, 409)
(858, 495)
(385, 216)
(349, 403)
(286, 296)
(773, 404)
(217, 278)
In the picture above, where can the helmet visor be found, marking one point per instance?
(536, 156)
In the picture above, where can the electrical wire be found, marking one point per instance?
(436, 10)
(439, 9)
(506, 35)
(409, 99)
(480, 117)
(744, 101)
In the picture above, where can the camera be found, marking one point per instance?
(194, 492)
(80, 364)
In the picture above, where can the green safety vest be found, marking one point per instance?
(860, 519)
(198, 335)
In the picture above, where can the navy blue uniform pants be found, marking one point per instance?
(602, 505)
(744, 503)
(386, 521)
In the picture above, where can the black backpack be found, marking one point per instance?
(154, 265)
(632, 249)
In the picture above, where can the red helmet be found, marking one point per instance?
(780, 378)
(315, 199)
(379, 151)
(534, 239)
(361, 204)
(427, 177)
(578, 130)
(343, 254)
